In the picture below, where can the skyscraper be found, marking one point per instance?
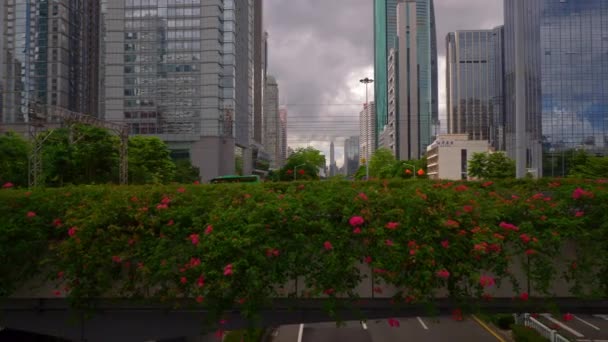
(367, 131)
(566, 80)
(333, 168)
(472, 85)
(351, 155)
(49, 55)
(271, 138)
(283, 136)
(259, 70)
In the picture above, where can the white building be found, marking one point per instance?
(449, 156)
(367, 127)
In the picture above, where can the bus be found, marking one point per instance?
(236, 179)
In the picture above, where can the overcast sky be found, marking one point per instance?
(320, 49)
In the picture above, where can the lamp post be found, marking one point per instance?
(295, 173)
(367, 81)
(414, 166)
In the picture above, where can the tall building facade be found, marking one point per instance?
(333, 167)
(49, 55)
(367, 131)
(351, 156)
(472, 85)
(259, 70)
(283, 136)
(566, 80)
(271, 138)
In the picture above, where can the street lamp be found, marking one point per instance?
(295, 173)
(367, 81)
(414, 166)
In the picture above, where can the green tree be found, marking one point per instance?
(14, 151)
(185, 172)
(382, 164)
(494, 165)
(150, 161)
(410, 168)
(307, 161)
(586, 166)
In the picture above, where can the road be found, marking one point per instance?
(582, 328)
(411, 329)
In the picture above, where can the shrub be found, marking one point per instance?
(504, 321)
(525, 334)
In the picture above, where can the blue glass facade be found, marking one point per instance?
(427, 63)
(566, 62)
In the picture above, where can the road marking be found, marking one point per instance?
(604, 317)
(565, 327)
(422, 323)
(300, 332)
(364, 325)
(488, 329)
(592, 340)
(589, 324)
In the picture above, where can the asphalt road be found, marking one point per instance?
(583, 328)
(410, 329)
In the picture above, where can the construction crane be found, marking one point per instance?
(39, 115)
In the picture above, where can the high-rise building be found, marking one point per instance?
(407, 27)
(259, 70)
(271, 138)
(566, 80)
(472, 85)
(333, 167)
(367, 131)
(49, 55)
(283, 136)
(351, 156)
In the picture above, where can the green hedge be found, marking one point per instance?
(156, 241)
(525, 334)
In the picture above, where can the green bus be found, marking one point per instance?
(235, 179)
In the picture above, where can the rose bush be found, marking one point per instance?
(225, 246)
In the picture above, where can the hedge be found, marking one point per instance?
(225, 246)
(525, 334)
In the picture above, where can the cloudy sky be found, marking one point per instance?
(320, 49)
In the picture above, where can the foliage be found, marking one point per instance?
(494, 165)
(238, 165)
(185, 172)
(222, 246)
(305, 162)
(382, 164)
(149, 161)
(411, 169)
(525, 334)
(254, 335)
(14, 150)
(588, 167)
(503, 321)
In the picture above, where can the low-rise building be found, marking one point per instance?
(449, 156)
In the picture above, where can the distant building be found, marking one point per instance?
(367, 131)
(389, 136)
(333, 167)
(282, 136)
(448, 157)
(272, 128)
(351, 156)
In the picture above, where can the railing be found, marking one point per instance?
(542, 329)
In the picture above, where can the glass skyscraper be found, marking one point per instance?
(566, 65)
(473, 85)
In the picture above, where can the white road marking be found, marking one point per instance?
(422, 323)
(364, 325)
(592, 340)
(565, 327)
(300, 332)
(604, 317)
(589, 324)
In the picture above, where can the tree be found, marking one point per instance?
(410, 168)
(150, 161)
(14, 151)
(185, 172)
(306, 162)
(494, 165)
(590, 167)
(382, 164)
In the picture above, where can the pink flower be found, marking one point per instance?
(57, 223)
(389, 243)
(8, 185)
(486, 281)
(367, 260)
(580, 213)
(200, 282)
(392, 225)
(530, 252)
(228, 270)
(568, 317)
(578, 193)
(31, 214)
(195, 262)
(356, 221)
(165, 200)
(362, 196)
(357, 231)
(72, 231)
(525, 238)
(219, 334)
(328, 246)
(194, 238)
(451, 224)
(196, 183)
(329, 291)
(270, 252)
(209, 230)
(487, 184)
(181, 190)
(170, 223)
(445, 244)
(162, 207)
(413, 252)
(524, 296)
(393, 323)
(183, 280)
(461, 188)
(117, 259)
(60, 274)
(199, 299)
(468, 208)
(443, 274)
(508, 226)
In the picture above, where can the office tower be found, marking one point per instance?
(472, 85)
(271, 125)
(566, 80)
(351, 156)
(367, 131)
(333, 168)
(408, 27)
(259, 70)
(283, 136)
(49, 55)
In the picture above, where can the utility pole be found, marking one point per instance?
(367, 81)
(520, 92)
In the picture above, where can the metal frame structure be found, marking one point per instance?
(38, 118)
